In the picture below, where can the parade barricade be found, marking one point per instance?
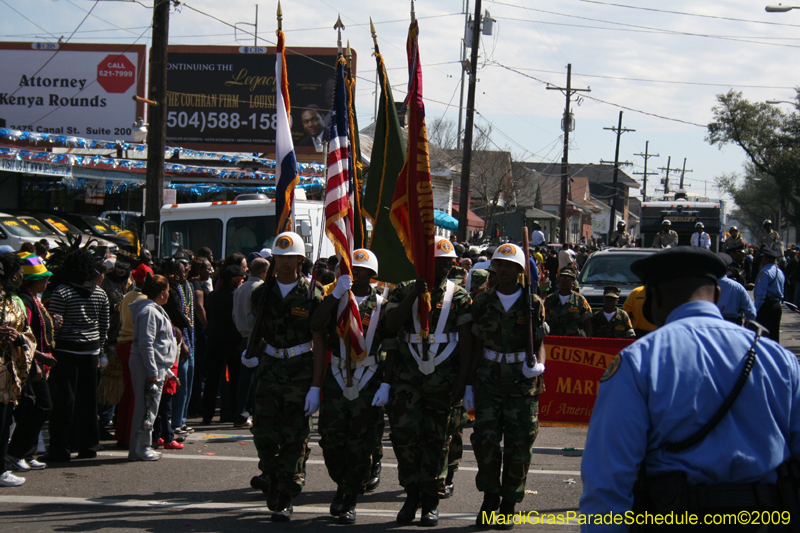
(574, 368)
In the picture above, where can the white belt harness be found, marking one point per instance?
(286, 353)
(510, 357)
(439, 337)
(364, 369)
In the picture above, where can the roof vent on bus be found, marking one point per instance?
(258, 196)
(681, 194)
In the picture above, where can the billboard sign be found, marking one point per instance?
(222, 98)
(82, 90)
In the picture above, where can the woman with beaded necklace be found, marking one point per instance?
(180, 309)
(17, 347)
(35, 404)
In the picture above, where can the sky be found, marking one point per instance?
(661, 63)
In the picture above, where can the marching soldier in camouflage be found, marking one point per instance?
(480, 282)
(506, 389)
(566, 311)
(455, 450)
(349, 416)
(289, 375)
(667, 237)
(424, 389)
(458, 275)
(610, 322)
(620, 238)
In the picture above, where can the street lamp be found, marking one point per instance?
(780, 8)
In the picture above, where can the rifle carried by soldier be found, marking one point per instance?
(532, 346)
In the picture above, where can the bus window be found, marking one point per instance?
(249, 234)
(191, 235)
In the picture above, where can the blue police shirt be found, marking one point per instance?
(769, 284)
(666, 387)
(733, 298)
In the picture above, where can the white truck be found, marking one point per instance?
(246, 224)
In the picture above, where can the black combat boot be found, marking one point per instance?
(260, 483)
(409, 509)
(273, 496)
(507, 512)
(336, 504)
(430, 511)
(374, 478)
(491, 501)
(348, 515)
(283, 511)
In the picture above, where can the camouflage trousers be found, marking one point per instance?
(515, 421)
(348, 431)
(455, 431)
(281, 432)
(377, 453)
(419, 418)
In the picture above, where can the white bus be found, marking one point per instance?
(244, 225)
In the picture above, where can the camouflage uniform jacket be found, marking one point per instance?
(460, 313)
(618, 328)
(664, 239)
(505, 332)
(567, 319)
(458, 275)
(285, 321)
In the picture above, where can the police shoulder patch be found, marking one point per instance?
(612, 368)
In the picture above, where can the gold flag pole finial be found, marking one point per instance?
(339, 26)
(348, 53)
(374, 35)
(413, 15)
(280, 16)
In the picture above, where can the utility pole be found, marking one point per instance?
(683, 172)
(463, 201)
(644, 174)
(463, 71)
(567, 124)
(619, 131)
(667, 170)
(157, 129)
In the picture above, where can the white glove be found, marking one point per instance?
(249, 363)
(529, 372)
(381, 397)
(312, 401)
(469, 399)
(343, 284)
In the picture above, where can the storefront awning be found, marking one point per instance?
(443, 220)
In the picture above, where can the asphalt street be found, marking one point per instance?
(206, 487)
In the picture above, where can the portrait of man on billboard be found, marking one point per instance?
(313, 120)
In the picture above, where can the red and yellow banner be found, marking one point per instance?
(574, 368)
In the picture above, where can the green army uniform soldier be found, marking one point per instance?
(621, 237)
(289, 374)
(424, 390)
(458, 275)
(480, 282)
(566, 311)
(667, 237)
(349, 415)
(506, 389)
(610, 322)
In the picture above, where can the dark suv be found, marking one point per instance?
(611, 266)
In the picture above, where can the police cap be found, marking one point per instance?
(725, 257)
(769, 252)
(679, 262)
(666, 222)
(739, 247)
(611, 292)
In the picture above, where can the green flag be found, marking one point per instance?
(386, 163)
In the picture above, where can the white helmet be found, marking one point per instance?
(289, 243)
(510, 252)
(444, 248)
(365, 258)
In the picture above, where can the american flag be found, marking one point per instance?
(339, 216)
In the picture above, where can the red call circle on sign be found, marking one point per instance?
(116, 74)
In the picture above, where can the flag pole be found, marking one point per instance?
(280, 16)
(374, 36)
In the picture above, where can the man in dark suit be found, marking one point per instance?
(314, 126)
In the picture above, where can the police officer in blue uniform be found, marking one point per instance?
(768, 293)
(660, 391)
(734, 302)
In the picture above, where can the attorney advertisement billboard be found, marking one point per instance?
(82, 90)
(222, 98)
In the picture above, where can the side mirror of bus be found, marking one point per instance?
(305, 228)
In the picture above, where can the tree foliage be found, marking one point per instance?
(770, 137)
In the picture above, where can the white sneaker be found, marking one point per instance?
(20, 465)
(36, 465)
(7, 479)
